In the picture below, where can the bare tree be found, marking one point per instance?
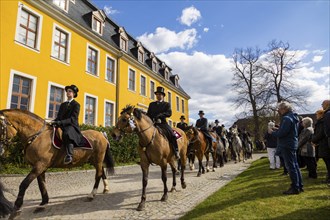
(279, 63)
(249, 84)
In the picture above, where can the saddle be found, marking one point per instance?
(163, 132)
(57, 140)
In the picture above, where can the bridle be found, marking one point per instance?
(4, 139)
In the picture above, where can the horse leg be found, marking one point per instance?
(200, 168)
(35, 172)
(173, 168)
(105, 182)
(145, 172)
(164, 179)
(207, 156)
(98, 175)
(44, 195)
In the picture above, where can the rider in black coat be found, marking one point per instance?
(182, 125)
(201, 124)
(158, 111)
(67, 120)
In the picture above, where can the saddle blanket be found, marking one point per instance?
(57, 143)
(177, 134)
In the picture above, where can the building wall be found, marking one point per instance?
(45, 70)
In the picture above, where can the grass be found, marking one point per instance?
(257, 194)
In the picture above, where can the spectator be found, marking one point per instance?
(326, 108)
(271, 144)
(287, 135)
(321, 143)
(305, 147)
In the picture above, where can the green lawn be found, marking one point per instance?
(257, 194)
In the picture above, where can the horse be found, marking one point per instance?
(199, 143)
(154, 148)
(237, 147)
(36, 136)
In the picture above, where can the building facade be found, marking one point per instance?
(48, 44)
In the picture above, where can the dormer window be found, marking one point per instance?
(167, 74)
(123, 39)
(154, 66)
(176, 80)
(62, 4)
(140, 52)
(123, 44)
(98, 19)
(140, 56)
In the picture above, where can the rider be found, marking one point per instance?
(158, 111)
(201, 124)
(220, 130)
(182, 125)
(67, 120)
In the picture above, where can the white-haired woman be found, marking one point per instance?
(305, 147)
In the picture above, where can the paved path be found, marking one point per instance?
(68, 192)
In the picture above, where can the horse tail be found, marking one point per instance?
(6, 207)
(108, 158)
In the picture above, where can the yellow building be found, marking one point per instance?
(46, 45)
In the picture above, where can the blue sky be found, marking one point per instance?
(197, 38)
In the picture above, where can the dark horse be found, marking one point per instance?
(153, 147)
(36, 136)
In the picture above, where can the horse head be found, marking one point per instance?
(123, 123)
(7, 132)
(192, 133)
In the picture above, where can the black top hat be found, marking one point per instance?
(201, 112)
(74, 89)
(222, 125)
(160, 90)
(216, 121)
(182, 117)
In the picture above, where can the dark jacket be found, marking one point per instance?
(218, 130)
(320, 140)
(287, 133)
(182, 125)
(271, 140)
(202, 124)
(306, 149)
(68, 116)
(159, 110)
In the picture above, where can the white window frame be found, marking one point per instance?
(114, 111)
(21, 6)
(101, 25)
(33, 87)
(146, 86)
(66, 9)
(152, 92)
(154, 66)
(176, 81)
(96, 106)
(177, 102)
(56, 26)
(114, 69)
(167, 75)
(50, 84)
(130, 68)
(98, 60)
(169, 97)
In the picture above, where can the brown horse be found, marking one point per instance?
(199, 144)
(36, 136)
(153, 147)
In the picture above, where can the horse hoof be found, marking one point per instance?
(199, 174)
(203, 172)
(14, 214)
(90, 198)
(164, 198)
(173, 189)
(140, 207)
(184, 185)
(213, 170)
(106, 191)
(40, 208)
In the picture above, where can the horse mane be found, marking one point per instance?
(127, 109)
(138, 113)
(26, 112)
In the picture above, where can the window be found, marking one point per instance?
(90, 110)
(169, 98)
(109, 114)
(176, 82)
(152, 90)
(140, 56)
(131, 79)
(166, 75)
(143, 86)
(154, 66)
(62, 4)
(182, 104)
(60, 49)
(97, 25)
(92, 61)
(110, 71)
(177, 104)
(56, 97)
(123, 44)
(21, 93)
(28, 29)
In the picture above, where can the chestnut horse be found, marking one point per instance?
(153, 148)
(36, 136)
(199, 144)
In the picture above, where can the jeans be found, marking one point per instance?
(291, 163)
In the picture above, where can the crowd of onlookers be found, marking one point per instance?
(298, 142)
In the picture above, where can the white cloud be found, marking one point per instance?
(317, 59)
(164, 39)
(206, 29)
(109, 10)
(189, 16)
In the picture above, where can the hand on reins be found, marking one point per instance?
(56, 123)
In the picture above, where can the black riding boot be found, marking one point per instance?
(210, 146)
(176, 149)
(69, 154)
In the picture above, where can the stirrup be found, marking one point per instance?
(67, 159)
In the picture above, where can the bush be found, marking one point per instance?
(123, 152)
